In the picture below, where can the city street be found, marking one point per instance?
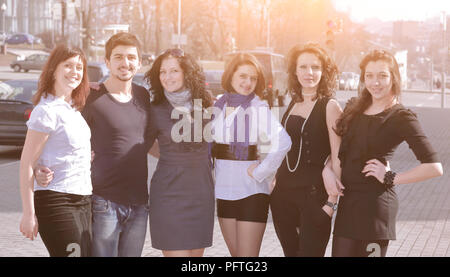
(423, 223)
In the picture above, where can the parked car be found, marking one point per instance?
(213, 82)
(348, 81)
(32, 62)
(148, 59)
(97, 71)
(274, 68)
(15, 110)
(23, 38)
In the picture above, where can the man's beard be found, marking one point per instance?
(126, 79)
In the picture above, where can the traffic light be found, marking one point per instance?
(63, 10)
(331, 26)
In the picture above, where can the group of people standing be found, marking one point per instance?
(83, 171)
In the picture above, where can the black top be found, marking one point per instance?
(119, 140)
(293, 128)
(377, 137)
(315, 148)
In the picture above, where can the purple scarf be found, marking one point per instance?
(235, 100)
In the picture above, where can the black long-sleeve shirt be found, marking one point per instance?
(377, 137)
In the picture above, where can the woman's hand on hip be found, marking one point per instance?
(376, 169)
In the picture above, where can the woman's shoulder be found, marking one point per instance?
(258, 102)
(399, 112)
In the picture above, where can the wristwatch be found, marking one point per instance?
(332, 205)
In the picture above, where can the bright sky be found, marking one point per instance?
(388, 10)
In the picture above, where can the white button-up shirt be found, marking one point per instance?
(67, 151)
(273, 142)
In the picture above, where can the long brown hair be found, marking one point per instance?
(327, 84)
(232, 66)
(359, 104)
(46, 83)
(194, 79)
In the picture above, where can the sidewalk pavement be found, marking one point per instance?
(423, 222)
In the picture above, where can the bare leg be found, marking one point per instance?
(249, 238)
(229, 232)
(184, 253)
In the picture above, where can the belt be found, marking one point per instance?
(223, 152)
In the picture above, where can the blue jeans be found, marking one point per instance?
(117, 230)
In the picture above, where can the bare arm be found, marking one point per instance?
(154, 150)
(419, 173)
(34, 144)
(332, 182)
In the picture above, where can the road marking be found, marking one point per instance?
(7, 164)
(419, 105)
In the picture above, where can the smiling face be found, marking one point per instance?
(378, 79)
(244, 79)
(124, 62)
(309, 70)
(171, 75)
(69, 73)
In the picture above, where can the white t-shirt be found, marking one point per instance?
(67, 151)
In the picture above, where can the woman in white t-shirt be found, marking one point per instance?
(59, 138)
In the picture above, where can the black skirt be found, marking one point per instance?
(367, 215)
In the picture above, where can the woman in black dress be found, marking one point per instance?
(372, 126)
(301, 205)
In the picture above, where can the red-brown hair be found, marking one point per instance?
(47, 80)
(232, 66)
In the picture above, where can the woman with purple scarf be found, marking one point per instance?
(243, 129)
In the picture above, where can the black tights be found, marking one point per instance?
(344, 247)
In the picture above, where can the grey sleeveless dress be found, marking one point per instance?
(182, 189)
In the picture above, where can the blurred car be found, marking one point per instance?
(3, 36)
(23, 38)
(148, 59)
(348, 81)
(32, 62)
(15, 110)
(97, 71)
(213, 82)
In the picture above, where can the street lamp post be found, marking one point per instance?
(3, 8)
(179, 24)
(444, 60)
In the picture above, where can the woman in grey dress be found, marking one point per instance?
(182, 188)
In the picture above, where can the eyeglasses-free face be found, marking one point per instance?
(124, 62)
(171, 75)
(378, 79)
(68, 74)
(244, 79)
(309, 70)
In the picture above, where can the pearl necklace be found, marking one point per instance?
(301, 140)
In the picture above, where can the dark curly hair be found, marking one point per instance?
(327, 84)
(359, 104)
(194, 78)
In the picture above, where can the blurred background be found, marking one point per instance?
(414, 30)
